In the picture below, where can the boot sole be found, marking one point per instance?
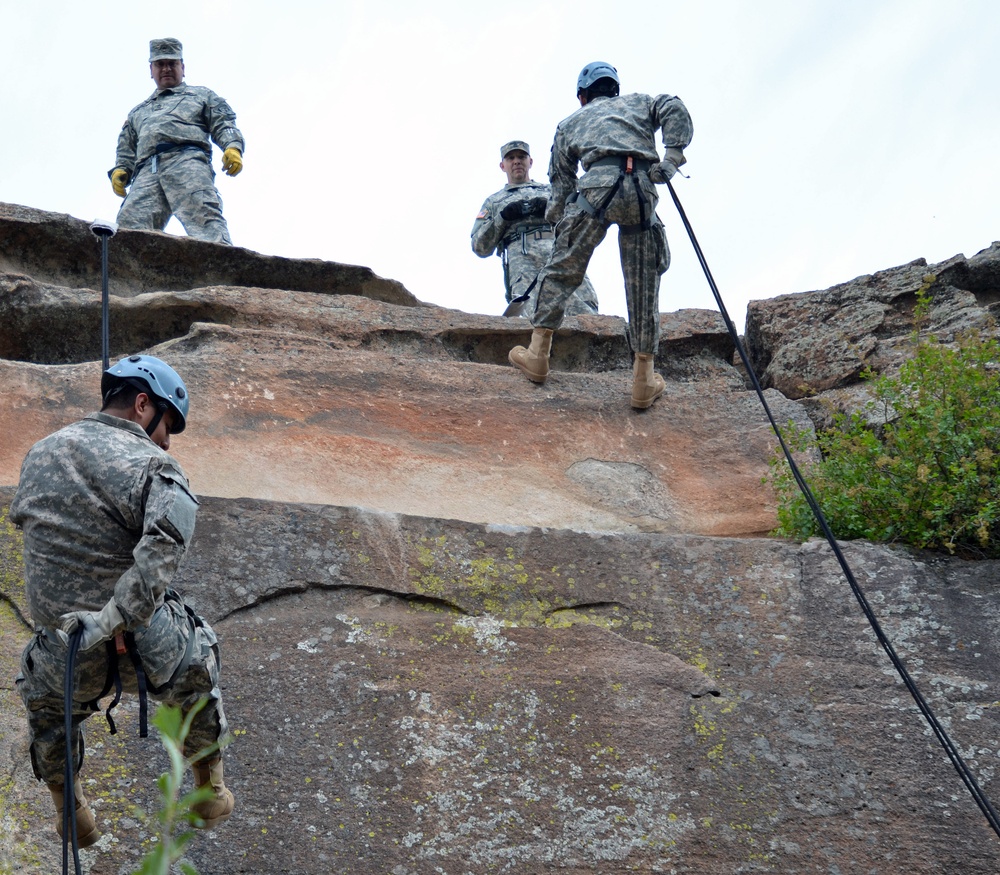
(214, 822)
(86, 840)
(90, 839)
(535, 378)
(644, 404)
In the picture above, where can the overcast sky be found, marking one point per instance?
(833, 138)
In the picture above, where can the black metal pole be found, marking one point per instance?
(105, 230)
(105, 305)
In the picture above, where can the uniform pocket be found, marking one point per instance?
(183, 507)
(660, 242)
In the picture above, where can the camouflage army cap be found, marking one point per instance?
(167, 49)
(512, 146)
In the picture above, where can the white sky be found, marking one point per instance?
(833, 138)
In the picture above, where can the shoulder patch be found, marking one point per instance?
(483, 214)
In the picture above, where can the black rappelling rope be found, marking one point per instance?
(69, 778)
(956, 758)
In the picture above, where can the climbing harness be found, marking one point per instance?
(119, 645)
(628, 166)
(949, 746)
(124, 643)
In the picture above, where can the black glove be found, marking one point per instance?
(524, 209)
(538, 205)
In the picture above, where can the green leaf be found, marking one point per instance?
(920, 466)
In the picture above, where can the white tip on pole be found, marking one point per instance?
(104, 229)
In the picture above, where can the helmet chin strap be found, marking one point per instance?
(161, 408)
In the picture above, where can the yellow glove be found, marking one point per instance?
(119, 179)
(232, 161)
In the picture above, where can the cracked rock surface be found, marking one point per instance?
(474, 625)
(421, 695)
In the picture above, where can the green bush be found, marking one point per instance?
(921, 468)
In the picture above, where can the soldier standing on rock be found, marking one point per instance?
(164, 151)
(107, 518)
(612, 136)
(512, 222)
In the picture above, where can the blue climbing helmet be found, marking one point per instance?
(594, 71)
(158, 379)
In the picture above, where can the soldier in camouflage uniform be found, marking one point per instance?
(164, 151)
(107, 516)
(512, 222)
(612, 136)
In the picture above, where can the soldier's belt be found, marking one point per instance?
(625, 163)
(528, 232)
(169, 147)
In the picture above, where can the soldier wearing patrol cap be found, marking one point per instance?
(107, 516)
(165, 152)
(612, 137)
(512, 224)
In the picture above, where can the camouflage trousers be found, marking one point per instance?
(644, 255)
(178, 184)
(180, 657)
(523, 262)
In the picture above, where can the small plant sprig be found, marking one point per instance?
(176, 816)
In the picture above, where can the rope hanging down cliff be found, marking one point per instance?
(949, 746)
(69, 835)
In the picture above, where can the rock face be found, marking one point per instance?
(470, 624)
(815, 346)
(58, 249)
(346, 400)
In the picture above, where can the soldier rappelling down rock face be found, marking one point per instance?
(512, 222)
(612, 136)
(107, 517)
(165, 153)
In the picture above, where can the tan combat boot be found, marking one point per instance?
(86, 824)
(647, 385)
(208, 773)
(534, 360)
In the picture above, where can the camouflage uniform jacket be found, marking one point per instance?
(610, 127)
(490, 229)
(105, 512)
(184, 116)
